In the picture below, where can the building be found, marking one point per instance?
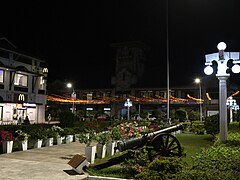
(129, 82)
(23, 81)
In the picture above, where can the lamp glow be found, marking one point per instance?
(208, 70)
(197, 80)
(221, 46)
(236, 68)
(69, 85)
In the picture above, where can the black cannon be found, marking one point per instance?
(160, 142)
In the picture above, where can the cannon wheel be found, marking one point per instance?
(164, 145)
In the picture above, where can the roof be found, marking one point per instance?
(8, 46)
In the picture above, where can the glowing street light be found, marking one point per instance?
(198, 81)
(73, 96)
(222, 58)
(128, 104)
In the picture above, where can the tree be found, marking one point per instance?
(211, 124)
(181, 114)
(67, 118)
(194, 115)
(144, 114)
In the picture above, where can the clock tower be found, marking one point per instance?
(129, 68)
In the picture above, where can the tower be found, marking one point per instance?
(130, 58)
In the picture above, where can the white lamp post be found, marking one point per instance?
(222, 58)
(232, 104)
(198, 81)
(73, 96)
(128, 104)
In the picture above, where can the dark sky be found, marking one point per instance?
(74, 37)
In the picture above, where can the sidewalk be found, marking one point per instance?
(41, 164)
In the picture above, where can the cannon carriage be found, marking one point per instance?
(158, 143)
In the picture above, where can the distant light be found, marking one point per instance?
(221, 46)
(208, 70)
(128, 103)
(197, 80)
(236, 68)
(107, 109)
(69, 85)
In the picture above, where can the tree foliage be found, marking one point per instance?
(181, 114)
(212, 124)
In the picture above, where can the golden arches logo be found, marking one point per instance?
(21, 97)
(45, 70)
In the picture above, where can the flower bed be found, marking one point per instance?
(132, 129)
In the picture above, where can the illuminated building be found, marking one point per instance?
(23, 80)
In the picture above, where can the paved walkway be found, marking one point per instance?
(41, 164)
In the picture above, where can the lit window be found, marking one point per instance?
(20, 80)
(41, 83)
(1, 75)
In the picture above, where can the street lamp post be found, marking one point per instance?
(73, 96)
(232, 104)
(222, 58)
(128, 104)
(198, 81)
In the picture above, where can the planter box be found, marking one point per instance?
(69, 138)
(101, 150)
(90, 152)
(37, 143)
(7, 146)
(76, 138)
(49, 142)
(110, 148)
(59, 140)
(23, 145)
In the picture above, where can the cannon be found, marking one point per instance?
(162, 142)
(158, 143)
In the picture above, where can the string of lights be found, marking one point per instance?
(143, 100)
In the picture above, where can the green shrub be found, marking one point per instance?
(234, 127)
(67, 119)
(186, 126)
(197, 127)
(214, 163)
(217, 162)
(163, 168)
(103, 137)
(212, 125)
(115, 133)
(87, 137)
(181, 114)
(194, 115)
(37, 133)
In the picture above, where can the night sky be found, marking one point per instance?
(74, 37)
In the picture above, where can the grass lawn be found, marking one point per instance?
(193, 143)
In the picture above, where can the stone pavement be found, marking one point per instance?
(40, 164)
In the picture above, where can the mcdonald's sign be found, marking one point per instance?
(45, 70)
(21, 97)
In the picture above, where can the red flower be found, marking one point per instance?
(6, 136)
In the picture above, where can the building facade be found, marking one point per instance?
(23, 82)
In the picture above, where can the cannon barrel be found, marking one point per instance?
(138, 142)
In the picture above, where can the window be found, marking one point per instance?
(1, 75)
(42, 82)
(20, 80)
